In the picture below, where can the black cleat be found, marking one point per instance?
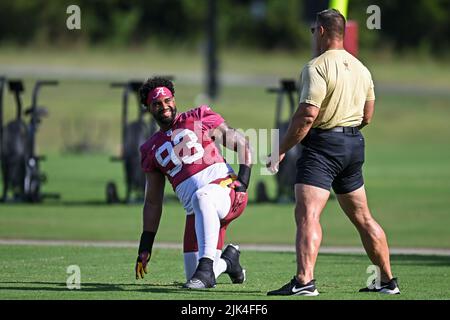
(234, 269)
(390, 287)
(203, 277)
(295, 288)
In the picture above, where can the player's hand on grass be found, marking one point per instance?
(141, 264)
(144, 253)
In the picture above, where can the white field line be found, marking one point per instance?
(243, 247)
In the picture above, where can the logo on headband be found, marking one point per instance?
(157, 92)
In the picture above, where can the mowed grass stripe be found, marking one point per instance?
(243, 246)
(30, 272)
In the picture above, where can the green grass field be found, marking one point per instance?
(406, 172)
(407, 176)
(108, 273)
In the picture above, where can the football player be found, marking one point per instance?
(184, 150)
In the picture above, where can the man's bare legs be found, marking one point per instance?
(310, 202)
(372, 235)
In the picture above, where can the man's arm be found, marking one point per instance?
(154, 194)
(236, 141)
(369, 108)
(299, 126)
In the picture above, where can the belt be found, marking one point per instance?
(339, 129)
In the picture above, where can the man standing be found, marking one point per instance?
(184, 150)
(336, 100)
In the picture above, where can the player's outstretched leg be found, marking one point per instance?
(234, 270)
(203, 276)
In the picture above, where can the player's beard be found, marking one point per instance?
(165, 120)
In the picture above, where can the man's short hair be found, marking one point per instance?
(153, 83)
(332, 21)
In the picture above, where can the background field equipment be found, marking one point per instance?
(285, 178)
(134, 133)
(19, 162)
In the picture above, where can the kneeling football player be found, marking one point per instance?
(184, 150)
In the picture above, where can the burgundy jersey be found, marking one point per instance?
(186, 154)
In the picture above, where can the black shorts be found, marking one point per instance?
(332, 159)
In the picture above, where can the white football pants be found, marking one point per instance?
(211, 203)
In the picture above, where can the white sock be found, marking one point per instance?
(220, 266)
(190, 264)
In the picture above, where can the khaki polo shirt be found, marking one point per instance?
(338, 84)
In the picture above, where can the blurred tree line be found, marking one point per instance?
(261, 24)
